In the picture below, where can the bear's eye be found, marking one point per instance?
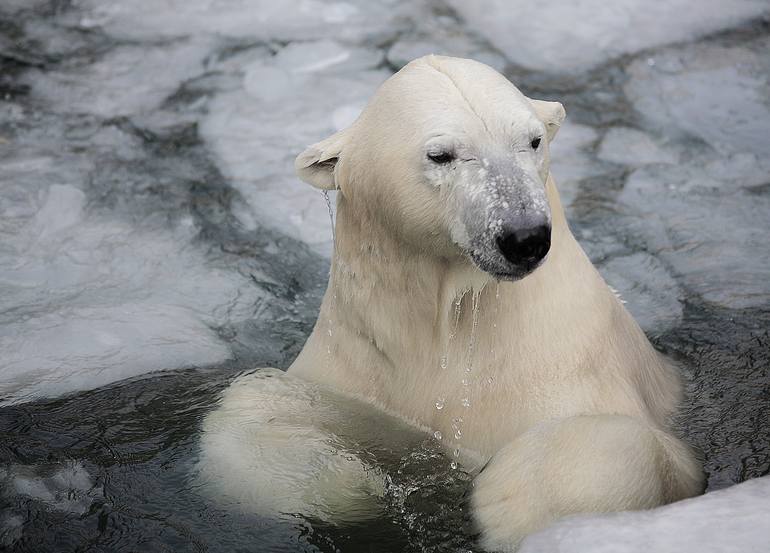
(535, 143)
(441, 158)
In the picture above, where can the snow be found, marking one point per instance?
(731, 520)
(564, 36)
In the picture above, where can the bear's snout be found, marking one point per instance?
(525, 247)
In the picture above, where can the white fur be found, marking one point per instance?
(560, 387)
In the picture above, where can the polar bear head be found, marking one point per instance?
(452, 160)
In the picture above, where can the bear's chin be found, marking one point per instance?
(501, 270)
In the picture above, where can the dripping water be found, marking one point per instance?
(493, 351)
(444, 361)
(329, 208)
(465, 401)
(330, 324)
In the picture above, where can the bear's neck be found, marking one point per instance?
(401, 328)
(389, 307)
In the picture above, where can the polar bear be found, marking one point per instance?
(460, 302)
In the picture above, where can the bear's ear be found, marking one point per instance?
(550, 113)
(316, 164)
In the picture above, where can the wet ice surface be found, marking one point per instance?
(150, 221)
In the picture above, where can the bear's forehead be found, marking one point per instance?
(463, 89)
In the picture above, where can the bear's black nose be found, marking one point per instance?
(525, 246)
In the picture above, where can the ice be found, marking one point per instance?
(703, 207)
(655, 299)
(565, 36)
(131, 79)
(245, 19)
(735, 519)
(13, 6)
(572, 158)
(443, 37)
(720, 254)
(89, 298)
(633, 147)
(303, 94)
(716, 93)
(67, 487)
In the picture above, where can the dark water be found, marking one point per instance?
(681, 233)
(137, 441)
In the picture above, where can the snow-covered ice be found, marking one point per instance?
(735, 519)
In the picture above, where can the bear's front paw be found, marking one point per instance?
(505, 501)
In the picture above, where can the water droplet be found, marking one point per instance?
(437, 435)
(440, 403)
(331, 215)
(466, 402)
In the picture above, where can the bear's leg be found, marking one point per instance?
(584, 464)
(267, 448)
